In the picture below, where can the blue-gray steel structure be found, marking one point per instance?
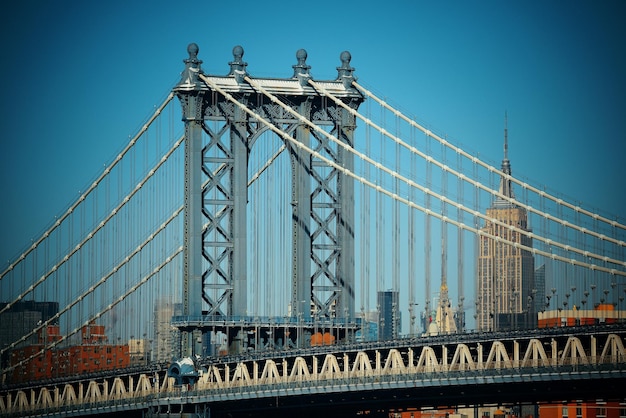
(216, 182)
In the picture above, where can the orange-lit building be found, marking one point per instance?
(93, 354)
(583, 410)
(482, 412)
(602, 314)
(427, 413)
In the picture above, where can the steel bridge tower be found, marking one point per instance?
(215, 199)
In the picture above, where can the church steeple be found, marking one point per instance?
(505, 184)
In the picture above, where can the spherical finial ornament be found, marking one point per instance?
(193, 50)
(301, 55)
(238, 53)
(345, 58)
(344, 73)
(237, 66)
(301, 68)
(189, 77)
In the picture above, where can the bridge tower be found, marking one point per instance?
(216, 186)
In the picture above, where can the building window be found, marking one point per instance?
(579, 412)
(564, 412)
(622, 413)
(601, 413)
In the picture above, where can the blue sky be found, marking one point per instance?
(79, 78)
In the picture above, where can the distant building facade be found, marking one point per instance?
(139, 351)
(505, 298)
(583, 410)
(389, 316)
(166, 336)
(369, 327)
(94, 354)
(23, 317)
(602, 314)
(540, 288)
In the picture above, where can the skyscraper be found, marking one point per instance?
(166, 336)
(504, 292)
(389, 315)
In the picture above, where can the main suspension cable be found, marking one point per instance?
(97, 228)
(444, 199)
(100, 282)
(380, 189)
(506, 176)
(411, 183)
(91, 188)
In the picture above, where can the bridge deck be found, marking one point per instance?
(464, 369)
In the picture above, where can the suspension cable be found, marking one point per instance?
(411, 183)
(136, 286)
(102, 280)
(97, 228)
(267, 164)
(380, 189)
(491, 168)
(128, 257)
(473, 182)
(91, 188)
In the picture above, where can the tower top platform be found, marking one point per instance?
(297, 85)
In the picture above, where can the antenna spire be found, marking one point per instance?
(506, 137)
(505, 183)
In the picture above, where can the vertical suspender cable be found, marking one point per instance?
(411, 238)
(443, 292)
(380, 244)
(367, 221)
(427, 237)
(396, 237)
(460, 252)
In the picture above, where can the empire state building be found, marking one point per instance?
(504, 291)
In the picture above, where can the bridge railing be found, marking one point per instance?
(466, 363)
(171, 398)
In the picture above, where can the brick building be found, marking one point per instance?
(93, 354)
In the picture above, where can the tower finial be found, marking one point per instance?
(189, 77)
(238, 66)
(301, 69)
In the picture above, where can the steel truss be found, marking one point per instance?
(216, 183)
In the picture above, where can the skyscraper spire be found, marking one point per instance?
(444, 317)
(505, 184)
(506, 137)
(505, 275)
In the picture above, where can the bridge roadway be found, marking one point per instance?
(547, 365)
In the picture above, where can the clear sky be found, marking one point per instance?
(79, 78)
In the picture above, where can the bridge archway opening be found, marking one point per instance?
(268, 216)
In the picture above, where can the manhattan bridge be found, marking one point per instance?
(248, 250)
